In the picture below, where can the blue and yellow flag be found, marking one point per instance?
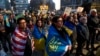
(38, 39)
(7, 20)
(69, 27)
(55, 44)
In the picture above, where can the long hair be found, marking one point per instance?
(38, 21)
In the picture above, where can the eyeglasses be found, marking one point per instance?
(22, 22)
(59, 20)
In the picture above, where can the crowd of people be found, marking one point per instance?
(49, 34)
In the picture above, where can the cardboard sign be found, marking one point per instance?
(80, 9)
(67, 10)
(44, 11)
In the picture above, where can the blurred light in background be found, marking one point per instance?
(9, 1)
(29, 1)
(57, 4)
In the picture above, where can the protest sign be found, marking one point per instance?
(67, 10)
(80, 9)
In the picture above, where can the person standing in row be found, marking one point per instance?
(39, 38)
(82, 34)
(58, 42)
(93, 24)
(4, 33)
(20, 39)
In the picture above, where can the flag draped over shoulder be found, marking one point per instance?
(55, 44)
(39, 39)
(7, 20)
(18, 42)
(69, 27)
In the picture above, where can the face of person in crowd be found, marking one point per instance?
(59, 23)
(39, 23)
(32, 14)
(30, 22)
(93, 13)
(1, 17)
(22, 24)
(26, 13)
(49, 22)
(83, 20)
(71, 14)
(71, 19)
(12, 16)
(75, 16)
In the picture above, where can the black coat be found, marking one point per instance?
(93, 22)
(28, 48)
(82, 32)
(7, 30)
(13, 25)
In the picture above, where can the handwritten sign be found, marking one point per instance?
(80, 9)
(67, 10)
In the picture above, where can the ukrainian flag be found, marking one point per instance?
(69, 27)
(39, 39)
(7, 20)
(55, 44)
